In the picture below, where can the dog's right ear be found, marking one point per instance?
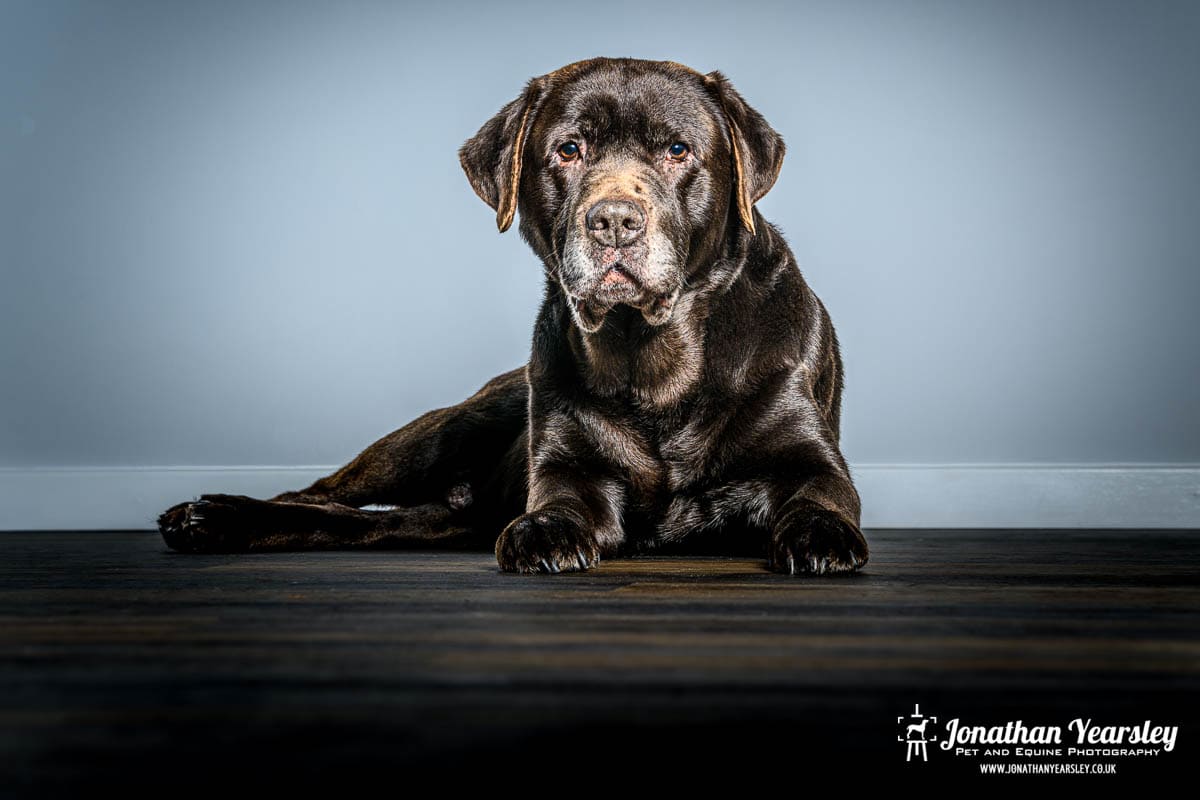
(492, 157)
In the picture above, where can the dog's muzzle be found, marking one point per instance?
(619, 258)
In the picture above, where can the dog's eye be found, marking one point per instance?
(678, 151)
(568, 151)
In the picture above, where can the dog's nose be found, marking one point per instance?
(615, 223)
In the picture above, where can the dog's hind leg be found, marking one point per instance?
(437, 480)
(223, 523)
(445, 455)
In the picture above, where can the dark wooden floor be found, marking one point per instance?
(121, 662)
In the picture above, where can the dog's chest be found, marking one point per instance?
(655, 416)
(662, 453)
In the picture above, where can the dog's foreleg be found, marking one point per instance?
(574, 506)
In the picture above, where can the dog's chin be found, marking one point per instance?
(591, 309)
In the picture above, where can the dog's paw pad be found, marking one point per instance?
(548, 542)
(817, 542)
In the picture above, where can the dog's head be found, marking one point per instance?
(630, 177)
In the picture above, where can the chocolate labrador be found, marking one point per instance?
(684, 383)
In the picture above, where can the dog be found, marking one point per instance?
(684, 382)
(919, 728)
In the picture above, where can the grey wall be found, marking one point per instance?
(237, 233)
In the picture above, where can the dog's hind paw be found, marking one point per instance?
(202, 526)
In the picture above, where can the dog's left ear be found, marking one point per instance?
(757, 149)
(492, 157)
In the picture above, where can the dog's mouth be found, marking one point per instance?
(618, 282)
(618, 285)
(613, 276)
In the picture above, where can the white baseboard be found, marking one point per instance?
(894, 496)
(1029, 495)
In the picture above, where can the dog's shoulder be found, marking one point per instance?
(767, 319)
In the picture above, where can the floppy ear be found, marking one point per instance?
(492, 157)
(757, 148)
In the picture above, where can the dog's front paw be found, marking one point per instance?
(816, 542)
(546, 541)
(211, 524)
